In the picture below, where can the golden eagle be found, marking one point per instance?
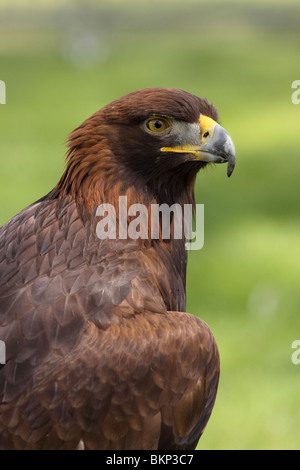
(100, 352)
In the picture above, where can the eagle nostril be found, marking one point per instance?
(206, 134)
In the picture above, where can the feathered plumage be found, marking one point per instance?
(100, 351)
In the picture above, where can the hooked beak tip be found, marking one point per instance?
(221, 145)
(230, 169)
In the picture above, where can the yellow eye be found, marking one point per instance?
(157, 125)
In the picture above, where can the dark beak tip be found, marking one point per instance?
(230, 169)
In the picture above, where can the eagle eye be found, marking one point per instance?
(157, 125)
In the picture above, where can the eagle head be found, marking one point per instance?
(151, 141)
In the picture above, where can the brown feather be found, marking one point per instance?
(100, 351)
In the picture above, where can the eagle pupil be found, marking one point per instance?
(157, 125)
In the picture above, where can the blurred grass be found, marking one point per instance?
(245, 281)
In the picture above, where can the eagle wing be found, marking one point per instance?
(83, 366)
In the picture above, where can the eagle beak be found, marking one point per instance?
(216, 145)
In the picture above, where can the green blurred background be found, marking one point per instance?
(63, 60)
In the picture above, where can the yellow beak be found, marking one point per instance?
(215, 145)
